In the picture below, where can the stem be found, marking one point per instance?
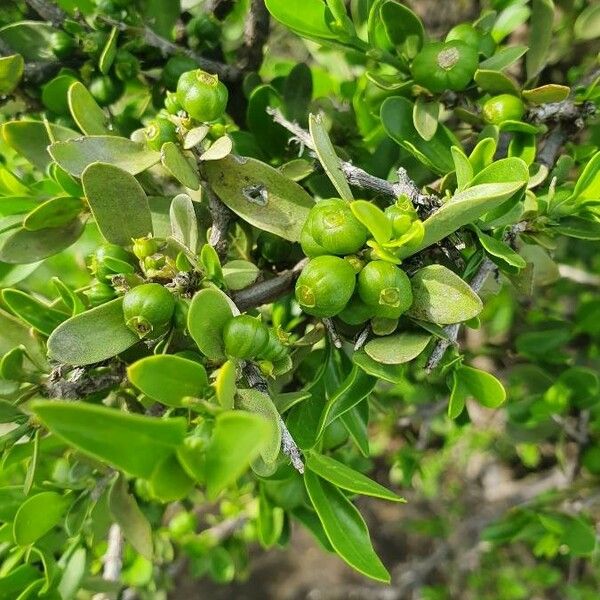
(113, 559)
(222, 218)
(288, 445)
(256, 33)
(48, 11)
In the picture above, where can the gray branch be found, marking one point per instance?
(567, 111)
(288, 445)
(48, 11)
(554, 142)
(221, 220)
(256, 32)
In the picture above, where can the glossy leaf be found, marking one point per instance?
(374, 219)
(109, 52)
(11, 71)
(225, 384)
(397, 349)
(311, 21)
(327, 156)
(118, 202)
(442, 297)
(344, 527)
(260, 195)
(208, 313)
(540, 36)
(499, 250)
(40, 316)
(77, 154)
(390, 373)
(169, 481)
(425, 114)
(38, 515)
(503, 58)
(237, 439)
(134, 443)
(474, 383)
(31, 39)
(551, 92)
(92, 336)
(90, 118)
(168, 379)
(346, 478)
(587, 25)
(176, 162)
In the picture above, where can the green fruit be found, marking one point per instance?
(159, 132)
(274, 350)
(106, 90)
(504, 107)
(356, 312)
(175, 67)
(309, 245)
(148, 309)
(62, 44)
(244, 337)
(386, 288)
(172, 106)
(99, 293)
(146, 246)
(333, 227)
(202, 95)
(206, 28)
(110, 259)
(325, 286)
(127, 66)
(182, 523)
(443, 66)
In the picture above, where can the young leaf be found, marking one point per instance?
(390, 373)
(346, 478)
(75, 155)
(374, 219)
(260, 195)
(225, 384)
(40, 316)
(169, 481)
(90, 118)
(499, 250)
(209, 311)
(425, 114)
(327, 156)
(503, 58)
(38, 515)
(184, 226)
(398, 348)
(118, 202)
(168, 379)
(237, 439)
(176, 162)
(132, 520)
(311, 21)
(344, 527)
(462, 167)
(133, 443)
(219, 149)
(473, 383)
(442, 297)
(92, 336)
(11, 71)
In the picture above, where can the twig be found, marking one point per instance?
(256, 32)
(362, 337)
(48, 11)
(225, 529)
(333, 334)
(288, 445)
(549, 153)
(567, 111)
(224, 71)
(113, 559)
(407, 187)
(221, 219)
(269, 290)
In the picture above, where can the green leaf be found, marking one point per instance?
(483, 154)
(479, 385)
(90, 118)
(442, 297)
(588, 183)
(109, 52)
(256, 402)
(579, 535)
(118, 202)
(237, 439)
(30, 139)
(587, 25)
(495, 82)
(162, 15)
(398, 348)
(578, 227)
(184, 226)
(56, 212)
(509, 19)
(345, 528)
(209, 311)
(73, 574)
(499, 250)
(11, 499)
(425, 114)
(133, 443)
(11, 71)
(357, 385)
(297, 92)
(311, 21)
(24, 246)
(260, 195)
(374, 219)
(270, 521)
(346, 478)
(38, 515)
(168, 379)
(169, 481)
(15, 333)
(462, 167)
(92, 336)
(540, 36)
(31, 39)
(176, 162)
(225, 384)
(503, 58)
(219, 149)
(327, 156)
(397, 121)
(39, 315)
(54, 94)
(239, 274)
(551, 92)
(75, 155)
(401, 25)
(390, 373)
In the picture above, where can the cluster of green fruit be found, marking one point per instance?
(451, 65)
(341, 277)
(247, 338)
